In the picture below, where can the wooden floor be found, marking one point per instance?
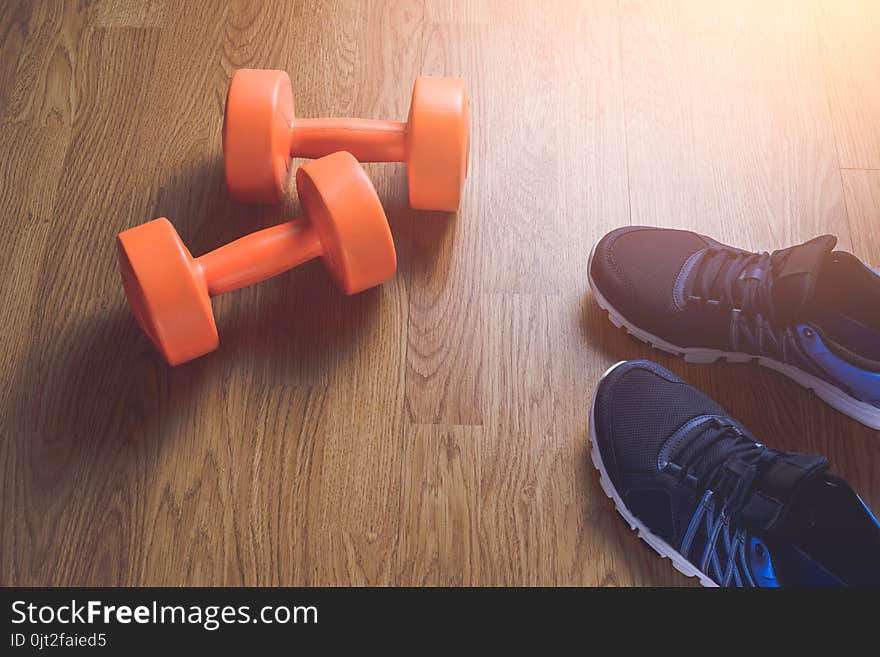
(432, 431)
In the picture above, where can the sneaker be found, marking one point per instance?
(723, 507)
(808, 312)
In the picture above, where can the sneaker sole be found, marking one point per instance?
(657, 544)
(832, 395)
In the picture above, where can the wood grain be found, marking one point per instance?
(862, 190)
(849, 35)
(432, 431)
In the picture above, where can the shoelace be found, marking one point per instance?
(714, 279)
(724, 494)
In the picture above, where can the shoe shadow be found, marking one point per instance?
(615, 343)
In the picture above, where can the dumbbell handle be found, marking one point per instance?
(367, 140)
(261, 255)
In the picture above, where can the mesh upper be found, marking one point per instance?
(636, 268)
(639, 406)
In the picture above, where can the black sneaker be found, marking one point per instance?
(702, 491)
(808, 312)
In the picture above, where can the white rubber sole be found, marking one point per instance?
(832, 395)
(657, 544)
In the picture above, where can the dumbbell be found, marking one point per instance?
(261, 135)
(170, 292)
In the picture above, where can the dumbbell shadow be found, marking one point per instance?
(297, 329)
(91, 393)
(197, 202)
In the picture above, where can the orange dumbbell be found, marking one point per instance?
(261, 135)
(170, 292)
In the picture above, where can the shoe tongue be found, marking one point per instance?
(795, 276)
(777, 488)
